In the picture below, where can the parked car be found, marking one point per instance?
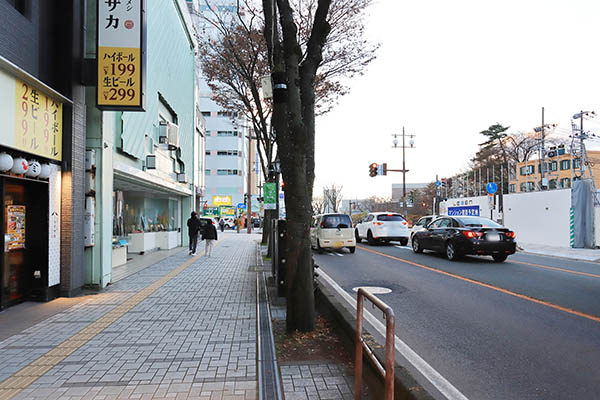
(332, 231)
(382, 227)
(229, 222)
(421, 224)
(457, 236)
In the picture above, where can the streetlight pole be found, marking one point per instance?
(403, 170)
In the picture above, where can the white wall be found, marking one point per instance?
(539, 217)
(536, 217)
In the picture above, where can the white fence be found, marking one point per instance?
(536, 217)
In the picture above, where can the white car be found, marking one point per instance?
(382, 227)
(421, 224)
(332, 231)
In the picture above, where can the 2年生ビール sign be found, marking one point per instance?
(121, 55)
(30, 119)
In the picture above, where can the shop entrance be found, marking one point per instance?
(24, 217)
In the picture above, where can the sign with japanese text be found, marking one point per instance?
(30, 120)
(38, 122)
(15, 228)
(464, 211)
(270, 195)
(221, 201)
(121, 55)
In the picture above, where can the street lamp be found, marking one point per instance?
(411, 142)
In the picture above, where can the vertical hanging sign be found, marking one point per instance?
(121, 55)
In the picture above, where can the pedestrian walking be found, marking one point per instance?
(222, 224)
(193, 225)
(210, 235)
(238, 224)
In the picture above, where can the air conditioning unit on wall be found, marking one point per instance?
(168, 134)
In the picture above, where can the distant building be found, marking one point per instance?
(561, 169)
(397, 189)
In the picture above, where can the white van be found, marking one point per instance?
(332, 231)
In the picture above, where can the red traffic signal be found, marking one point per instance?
(373, 169)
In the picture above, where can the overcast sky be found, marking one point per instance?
(447, 70)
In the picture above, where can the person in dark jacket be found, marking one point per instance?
(210, 235)
(193, 225)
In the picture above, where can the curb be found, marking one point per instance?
(405, 385)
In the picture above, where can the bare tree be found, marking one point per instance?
(333, 197)
(236, 56)
(296, 56)
(318, 205)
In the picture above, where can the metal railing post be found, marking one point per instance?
(388, 371)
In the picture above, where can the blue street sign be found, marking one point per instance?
(491, 187)
(241, 205)
(438, 183)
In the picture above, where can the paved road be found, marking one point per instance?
(528, 328)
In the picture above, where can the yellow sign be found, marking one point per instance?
(119, 77)
(38, 122)
(120, 29)
(221, 201)
(227, 211)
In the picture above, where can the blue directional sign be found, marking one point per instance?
(438, 183)
(241, 205)
(464, 210)
(491, 187)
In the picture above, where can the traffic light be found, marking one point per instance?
(246, 198)
(373, 169)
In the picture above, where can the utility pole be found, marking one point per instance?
(542, 156)
(403, 170)
(582, 137)
(249, 205)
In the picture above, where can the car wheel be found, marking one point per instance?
(352, 249)
(357, 236)
(403, 242)
(416, 246)
(499, 257)
(451, 252)
(370, 239)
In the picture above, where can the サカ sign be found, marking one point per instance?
(121, 55)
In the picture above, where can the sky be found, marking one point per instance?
(447, 70)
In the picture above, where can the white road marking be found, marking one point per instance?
(338, 254)
(436, 379)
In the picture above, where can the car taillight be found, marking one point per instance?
(322, 224)
(377, 223)
(510, 234)
(404, 223)
(471, 234)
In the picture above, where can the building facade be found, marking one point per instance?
(230, 154)
(143, 166)
(42, 132)
(561, 169)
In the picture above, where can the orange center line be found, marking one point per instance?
(486, 285)
(557, 269)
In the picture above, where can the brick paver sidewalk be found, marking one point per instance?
(183, 328)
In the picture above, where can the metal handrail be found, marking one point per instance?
(388, 372)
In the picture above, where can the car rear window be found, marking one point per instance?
(336, 221)
(478, 222)
(390, 217)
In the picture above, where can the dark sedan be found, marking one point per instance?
(457, 236)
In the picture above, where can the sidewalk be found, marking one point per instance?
(183, 328)
(564, 252)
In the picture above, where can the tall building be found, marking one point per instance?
(230, 153)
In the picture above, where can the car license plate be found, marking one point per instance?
(338, 244)
(492, 237)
